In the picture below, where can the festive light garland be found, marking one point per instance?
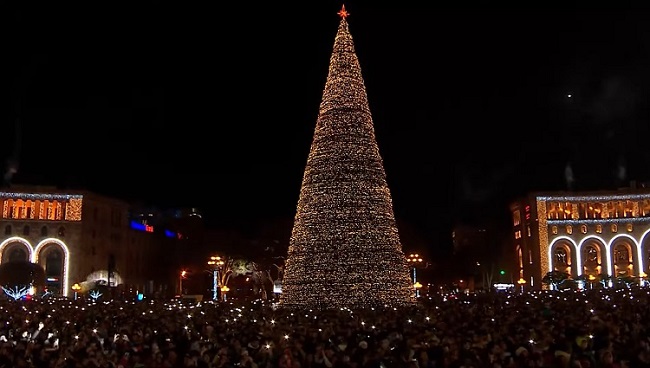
(61, 206)
(345, 249)
(39, 196)
(639, 217)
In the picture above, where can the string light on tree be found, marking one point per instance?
(345, 249)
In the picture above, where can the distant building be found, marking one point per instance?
(82, 237)
(582, 233)
(184, 224)
(480, 254)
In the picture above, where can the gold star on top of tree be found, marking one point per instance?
(343, 13)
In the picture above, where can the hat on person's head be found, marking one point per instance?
(363, 345)
(254, 345)
(520, 351)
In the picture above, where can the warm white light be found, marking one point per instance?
(66, 261)
(345, 249)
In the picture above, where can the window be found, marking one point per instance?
(44, 231)
(26, 230)
(614, 228)
(61, 231)
(569, 229)
(31, 206)
(599, 229)
(554, 230)
(8, 230)
(516, 217)
(583, 229)
(629, 227)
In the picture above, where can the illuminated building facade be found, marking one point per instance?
(582, 234)
(78, 237)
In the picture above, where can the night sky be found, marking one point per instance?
(214, 107)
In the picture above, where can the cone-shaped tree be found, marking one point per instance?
(345, 249)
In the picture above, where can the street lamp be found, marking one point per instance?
(224, 290)
(417, 286)
(521, 283)
(180, 282)
(76, 288)
(414, 259)
(592, 278)
(215, 262)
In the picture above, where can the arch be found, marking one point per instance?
(572, 254)
(623, 253)
(644, 250)
(53, 260)
(635, 249)
(17, 239)
(66, 260)
(594, 258)
(608, 260)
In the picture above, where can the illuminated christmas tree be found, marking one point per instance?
(345, 249)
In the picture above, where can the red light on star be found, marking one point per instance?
(343, 13)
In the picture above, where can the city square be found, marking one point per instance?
(146, 227)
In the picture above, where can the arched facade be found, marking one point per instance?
(41, 254)
(15, 243)
(621, 256)
(563, 256)
(48, 247)
(624, 257)
(589, 235)
(593, 257)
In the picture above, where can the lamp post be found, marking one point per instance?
(521, 283)
(215, 262)
(76, 288)
(592, 278)
(180, 282)
(414, 260)
(417, 286)
(224, 290)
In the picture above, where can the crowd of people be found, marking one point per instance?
(596, 328)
